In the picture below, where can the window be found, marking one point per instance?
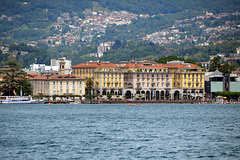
(152, 77)
(80, 91)
(167, 85)
(138, 85)
(153, 84)
(73, 91)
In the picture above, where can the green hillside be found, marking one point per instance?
(23, 21)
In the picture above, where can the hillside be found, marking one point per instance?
(71, 28)
(31, 19)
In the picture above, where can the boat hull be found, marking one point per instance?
(21, 100)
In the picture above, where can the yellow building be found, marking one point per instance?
(187, 80)
(150, 80)
(107, 77)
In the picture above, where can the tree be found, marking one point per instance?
(89, 86)
(15, 81)
(214, 64)
(109, 96)
(226, 68)
(117, 44)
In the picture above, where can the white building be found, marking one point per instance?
(54, 68)
(68, 64)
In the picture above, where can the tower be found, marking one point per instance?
(62, 66)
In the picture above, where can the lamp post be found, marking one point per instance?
(21, 91)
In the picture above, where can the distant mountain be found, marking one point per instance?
(24, 21)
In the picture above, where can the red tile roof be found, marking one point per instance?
(141, 65)
(94, 65)
(185, 65)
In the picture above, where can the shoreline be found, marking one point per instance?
(141, 102)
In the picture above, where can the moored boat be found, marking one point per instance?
(19, 100)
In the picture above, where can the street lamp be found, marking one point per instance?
(21, 91)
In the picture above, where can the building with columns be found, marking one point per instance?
(187, 80)
(107, 77)
(144, 80)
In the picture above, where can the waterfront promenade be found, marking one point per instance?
(141, 102)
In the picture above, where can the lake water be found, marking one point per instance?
(150, 131)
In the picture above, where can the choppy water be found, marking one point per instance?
(150, 131)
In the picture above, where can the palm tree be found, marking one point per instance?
(101, 97)
(117, 96)
(139, 96)
(132, 97)
(109, 95)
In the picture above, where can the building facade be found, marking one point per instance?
(57, 84)
(107, 77)
(144, 80)
(188, 80)
(218, 82)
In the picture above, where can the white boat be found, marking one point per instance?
(19, 100)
